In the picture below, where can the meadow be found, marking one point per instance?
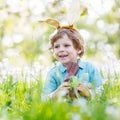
(20, 96)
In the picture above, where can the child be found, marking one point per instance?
(68, 47)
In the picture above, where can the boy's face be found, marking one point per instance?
(64, 50)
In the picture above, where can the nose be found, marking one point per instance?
(61, 48)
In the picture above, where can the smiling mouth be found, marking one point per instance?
(63, 56)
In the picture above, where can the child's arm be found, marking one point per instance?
(61, 91)
(49, 86)
(96, 79)
(52, 89)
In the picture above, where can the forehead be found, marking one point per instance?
(63, 39)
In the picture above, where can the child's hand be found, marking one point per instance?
(72, 69)
(83, 90)
(61, 91)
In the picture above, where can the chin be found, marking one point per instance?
(65, 62)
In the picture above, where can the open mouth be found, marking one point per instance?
(62, 56)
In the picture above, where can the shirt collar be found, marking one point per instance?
(63, 68)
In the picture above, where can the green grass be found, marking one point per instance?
(22, 101)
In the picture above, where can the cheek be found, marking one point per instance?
(73, 51)
(54, 53)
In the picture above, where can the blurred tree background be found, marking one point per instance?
(24, 40)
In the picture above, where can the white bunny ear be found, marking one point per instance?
(74, 10)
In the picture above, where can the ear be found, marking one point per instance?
(79, 51)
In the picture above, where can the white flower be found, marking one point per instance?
(76, 116)
(113, 112)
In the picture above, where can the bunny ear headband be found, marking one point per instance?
(73, 11)
(56, 24)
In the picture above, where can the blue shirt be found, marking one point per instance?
(57, 74)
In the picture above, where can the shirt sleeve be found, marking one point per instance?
(95, 77)
(49, 85)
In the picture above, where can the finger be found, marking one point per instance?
(65, 84)
(83, 86)
(79, 84)
(80, 89)
(67, 79)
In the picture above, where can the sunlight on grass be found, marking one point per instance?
(20, 92)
